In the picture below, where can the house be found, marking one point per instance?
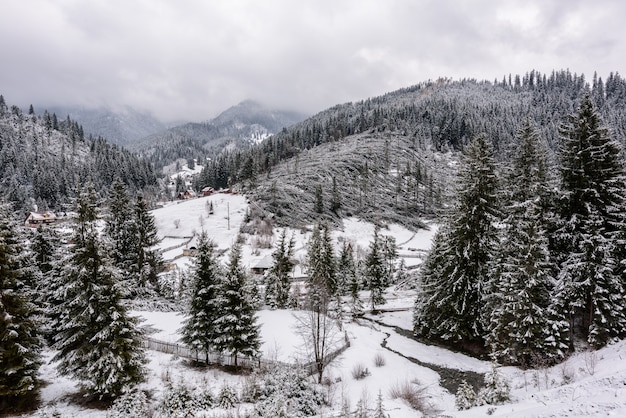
(187, 194)
(263, 265)
(34, 219)
(208, 191)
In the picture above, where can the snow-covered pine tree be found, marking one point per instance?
(120, 227)
(98, 341)
(522, 326)
(237, 325)
(199, 329)
(450, 301)
(147, 260)
(465, 397)
(278, 280)
(591, 286)
(376, 270)
(20, 344)
(321, 263)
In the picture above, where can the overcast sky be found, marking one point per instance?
(192, 59)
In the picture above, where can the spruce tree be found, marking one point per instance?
(376, 270)
(237, 326)
(278, 280)
(522, 324)
(322, 279)
(452, 280)
(120, 227)
(98, 342)
(591, 286)
(20, 345)
(199, 329)
(147, 261)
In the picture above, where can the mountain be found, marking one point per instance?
(391, 157)
(44, 161)
(238, 127)
(121, 127)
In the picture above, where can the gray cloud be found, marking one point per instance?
(192, 59)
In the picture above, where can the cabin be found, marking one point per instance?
(187, 194)
(208, 191)
(263, 265)
(34, 219)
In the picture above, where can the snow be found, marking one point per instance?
(587, 384)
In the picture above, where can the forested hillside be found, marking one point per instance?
(400, 137)
(238, 127)
(44, 161)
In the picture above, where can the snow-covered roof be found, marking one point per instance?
(264, 263)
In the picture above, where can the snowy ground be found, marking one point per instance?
(587, 384)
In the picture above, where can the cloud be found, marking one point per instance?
(192, 59)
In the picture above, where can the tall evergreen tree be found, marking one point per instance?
(120, 227)
(454, 275)
(376, 270)
(522, 325)
(147, 260)
(322, 280)
(98, 342)
(237, 325)
(199, 329)
(20, 345)
(278, 280)
(591, 285)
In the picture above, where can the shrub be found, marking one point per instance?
(411, 393)
(379, 360)
(359, 371)
(130, 405)
(227, 398)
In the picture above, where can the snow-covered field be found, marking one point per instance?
(587, 384)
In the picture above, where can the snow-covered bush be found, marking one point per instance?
(465, 396)
(177, 401)
(227, 397)
(130, 405)
(288, 391)
(496, 390)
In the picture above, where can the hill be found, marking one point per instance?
(238, 127)
(44, 161)
(395, 145)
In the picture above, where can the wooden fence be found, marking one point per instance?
(222, 359)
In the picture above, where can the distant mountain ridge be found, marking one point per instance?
(238, 127)
(122, 127)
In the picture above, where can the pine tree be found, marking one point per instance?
(278, 280)
(98, 342)
(521, 323)
(237, 324)
(452, 280)
(591, 286)
(20, 345)
(376, 271)
(319, 199)
(147, 260)
(121, 228)
(43, 249)
(335, 200)
(465, 397)
(322, 280)
(199, 329)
